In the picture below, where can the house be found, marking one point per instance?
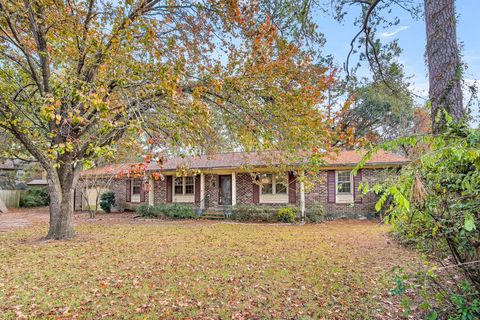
(39, 180)
(219, 181)
(9, 174)
(16, 174)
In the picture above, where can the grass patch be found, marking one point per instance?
(335, 270)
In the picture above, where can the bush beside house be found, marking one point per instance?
(35, 197)
(107, 201)
(315, 214)
(167, 211)
(286, 215)
(252, 213)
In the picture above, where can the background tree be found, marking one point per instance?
(442, 50)
(76, 76)
(379, 113)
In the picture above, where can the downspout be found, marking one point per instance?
(202, 192)
(151, 191)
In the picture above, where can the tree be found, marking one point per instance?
(442, 50)
(379, 113)
(443, 59)
(76, 76)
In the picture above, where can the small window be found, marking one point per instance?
(267, 185)
(188, 185)
(184, 186)
(281, 184)
(344, 182)
(272, 184)
(136, 189)
(179, 185)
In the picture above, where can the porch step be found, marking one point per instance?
(213, 215)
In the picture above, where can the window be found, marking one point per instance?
(136, 189)
(179, 185)
(184, 186)
(266, 181)
(281, 184)
(273, 184)
(189, 185)
(344, 182)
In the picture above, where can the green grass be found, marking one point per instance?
(167, 270)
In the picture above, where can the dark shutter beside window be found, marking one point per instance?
(128, 191)
(331, 186)
(169, 189)
(197, 188)
(356, 182)
(142, 192)
(292, 187)
(256, 192)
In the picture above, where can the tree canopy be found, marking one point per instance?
(76, 76)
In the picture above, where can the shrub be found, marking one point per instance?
(246, 213)
(35, 197)
(144, 211)
(169, 211)
(286, 215)
(315, 213)
(107, 201)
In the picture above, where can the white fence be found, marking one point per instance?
(11, 198)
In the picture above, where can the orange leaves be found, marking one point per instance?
(157, 176)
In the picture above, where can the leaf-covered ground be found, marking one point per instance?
(140, 269)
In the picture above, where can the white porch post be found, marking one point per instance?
(151, 191)
(234, 188)
(302, 196)
(202, 191)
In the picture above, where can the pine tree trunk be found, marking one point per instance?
(61, 189)
(444, 65)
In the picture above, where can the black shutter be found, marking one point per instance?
(128, 191)
(292, 188)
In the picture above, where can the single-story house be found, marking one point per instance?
(219, 181)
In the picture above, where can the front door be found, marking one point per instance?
(225, 190)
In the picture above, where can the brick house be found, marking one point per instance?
(217, 182)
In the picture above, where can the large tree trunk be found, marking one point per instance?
(61, 189)
(443, 58)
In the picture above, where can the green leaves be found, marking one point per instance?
(469, 223)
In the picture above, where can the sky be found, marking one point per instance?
(411, 35)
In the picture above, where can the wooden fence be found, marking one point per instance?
(11, 198)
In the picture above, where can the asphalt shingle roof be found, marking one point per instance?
(242, 159)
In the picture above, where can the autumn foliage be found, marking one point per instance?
(76, 77)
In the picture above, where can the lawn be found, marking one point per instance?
(336, 270)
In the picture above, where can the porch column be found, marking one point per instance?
(151, 191)
(234, 188)
(202, 191)
(302, 196)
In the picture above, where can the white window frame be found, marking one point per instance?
(343, 197)
(274, 197)
(183, 197)
(135, 198)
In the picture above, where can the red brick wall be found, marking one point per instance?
(315, 194)
(244, 189)
(318, 194)
(211, 190)
(160, 191)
